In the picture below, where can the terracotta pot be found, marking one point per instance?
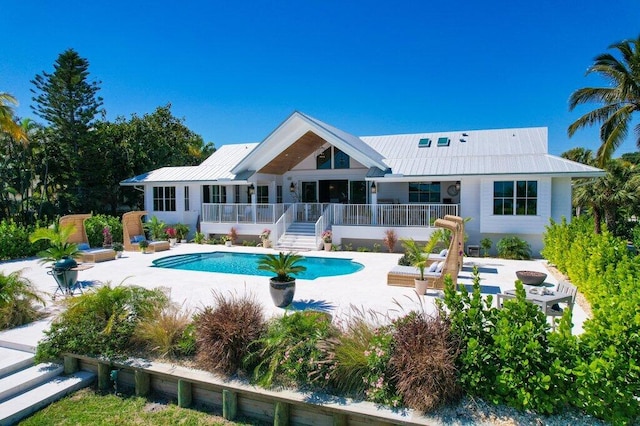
(421, 286)
(282, 292)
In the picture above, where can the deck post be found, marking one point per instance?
(281, 415)
(142, 383)
(339, 419)
(103, 375)
(229, 404)
(184, 393)
(70, 364)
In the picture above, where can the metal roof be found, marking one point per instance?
(216, 167)
(477, 152)
(469, 153)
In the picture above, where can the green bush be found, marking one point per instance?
(288, 354)
(506, 356)
(513, 248)
(14, 241)
(163, 333)
(100, 322)
(95, 224)
(381, 385)
(225, 331)
(18, 300)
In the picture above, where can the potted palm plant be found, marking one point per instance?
(283, 285)
(419, 257)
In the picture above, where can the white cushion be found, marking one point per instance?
(444, 252)
(439, 267)
(433, 267)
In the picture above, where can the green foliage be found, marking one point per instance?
(14, 241)
(155, 227)
(100, 322)
(513, 248)
(199, 238)
(485, 245)
(424, 362)
(96, 223)
(182, 231)
(288, 354)
(419, 255)
(506, 356)
(284, 265)
(380, 386)
(225, 331)
(18, 299)
(163, 333)
(58, 238)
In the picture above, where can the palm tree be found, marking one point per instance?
(620, 100)
(7, 123)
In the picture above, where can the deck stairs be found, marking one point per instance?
(300, 236)
(26, 387)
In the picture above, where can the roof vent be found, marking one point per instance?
(443, 141)
(424, 143)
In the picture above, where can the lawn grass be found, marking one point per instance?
(90, 407)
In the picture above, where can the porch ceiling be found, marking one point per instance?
(306, 145)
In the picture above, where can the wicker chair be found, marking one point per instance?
(132, 227)
(405, 276)
(93, 255)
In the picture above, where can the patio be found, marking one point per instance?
(366, 289)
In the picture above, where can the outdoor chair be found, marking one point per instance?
(405, 276)
(556, 310)
(460, 235)
(133, 233)
(501, 297)
(79, 237)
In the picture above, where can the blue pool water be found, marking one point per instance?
(247, 264)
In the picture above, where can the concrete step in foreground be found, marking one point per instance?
(21, 406)
(12, 360)
(28, 378)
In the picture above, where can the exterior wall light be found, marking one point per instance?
(252, 189)
(373, 188)
(292, 187)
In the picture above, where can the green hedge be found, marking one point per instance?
(607, 370)
(95, 224)
(14, 241)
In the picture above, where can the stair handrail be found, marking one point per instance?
(281, 223)
(321, 225)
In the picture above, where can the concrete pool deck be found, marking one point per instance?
(367, 289)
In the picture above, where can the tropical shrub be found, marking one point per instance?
(513, 248)
(506, 356)
(390, 239)
(288, 354)
(156, 228)
(163, 333)
(424, 362)
(100, 322)
(225, 331)
(95, 225)
(380, 385)
(18, 300)
(14, 241)
(57, 238)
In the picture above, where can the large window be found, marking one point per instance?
(262, 194)
(340, 159)
(515, 198)
(424, 192)
(186, 198)
(279, 194)
(214, 194)
(164, 198)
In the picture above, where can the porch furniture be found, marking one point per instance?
(459, 235)
(501, 297)
(556, 310)
(133, 233)
(549, 300)
(79, 237)
(405, 276)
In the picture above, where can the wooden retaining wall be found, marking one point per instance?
(282, 407)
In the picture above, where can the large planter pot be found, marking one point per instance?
(282, 292)
(227, 243)
(173, 242)
(327, 246)
(266, 243)
(531, 277)
(421, 286)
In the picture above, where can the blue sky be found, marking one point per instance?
(236, 69)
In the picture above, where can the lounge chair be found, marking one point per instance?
(133, 233)
(405, 275)
(79, 237)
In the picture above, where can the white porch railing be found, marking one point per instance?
(241, 213)
(283, 222)
(419, 215)
(323, 223)
(422, 215)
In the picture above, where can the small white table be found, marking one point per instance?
(545, 301)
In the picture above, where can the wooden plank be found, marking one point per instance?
(184, 394)
(229, 404)
(281, 416)
(142, 383)
(70, 365)
(104, 381)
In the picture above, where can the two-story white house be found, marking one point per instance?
(308, 176)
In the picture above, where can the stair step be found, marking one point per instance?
(31, 401)
(12, 360)
(28, 378)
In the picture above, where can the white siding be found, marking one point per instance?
(560, 198)
(470, 208)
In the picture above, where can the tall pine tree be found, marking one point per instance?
(68, 102)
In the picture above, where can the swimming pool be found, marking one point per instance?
(247, 264)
